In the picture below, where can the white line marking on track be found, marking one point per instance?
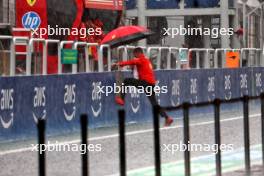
(128, 134)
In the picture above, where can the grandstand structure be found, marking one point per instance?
(223, 14)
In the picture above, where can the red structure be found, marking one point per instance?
(71, 14)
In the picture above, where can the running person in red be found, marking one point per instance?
(146, 79)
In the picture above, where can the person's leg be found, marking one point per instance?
(154, 102)
(130, 82)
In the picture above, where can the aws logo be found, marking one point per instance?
(211, 88)
(39, 103)
(194, 90)
(135, 103)
(227, 87)
(175, 92)
(69, 100)
(96, 99)
(31, 2)
(7, 105)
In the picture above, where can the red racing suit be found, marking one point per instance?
(144, 68)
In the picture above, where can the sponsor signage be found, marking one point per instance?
(31, 14)
(69, 56)
(62, 98)
(31, 20)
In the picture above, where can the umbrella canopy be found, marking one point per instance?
(125, 35)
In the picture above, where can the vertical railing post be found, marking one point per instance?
(41, 141)
(84, 144)
(186, 133)
(262, 125)
(207, 59)
(246, 133)
(12, 59)
(197, 59)
(217, 137)
(122, 142)
(216, 58)
(156, 141)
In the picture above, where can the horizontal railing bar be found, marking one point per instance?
(202, 104)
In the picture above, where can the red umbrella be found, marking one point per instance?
(125, 35)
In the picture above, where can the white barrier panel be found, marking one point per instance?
(206, 61)
(225, 50)
(169, 56)
(251, 60)
(179, 59)
(30, 52)
(49, 41)
(159, 54)
(255, 58)
(101, 58)
(87, 63)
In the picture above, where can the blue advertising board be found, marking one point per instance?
(162, 4)
(131, 4)
(61, 99)
(207, 3)
(201, 3)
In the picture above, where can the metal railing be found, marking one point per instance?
(164, 57)
(156, 126)
(217, 128)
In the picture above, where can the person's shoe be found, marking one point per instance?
(168, 121)
(119, 101)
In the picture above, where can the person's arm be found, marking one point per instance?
(135, 61)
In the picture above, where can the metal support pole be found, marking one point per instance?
(244, 24)
(218, 161)
(246, 134)
(225, 41)
(41, 141)
(122, 142)
(197, 59)
(186, 133)
(142, 19)
(12, 58)
(84, 144)
(101, 58)
(156, 141)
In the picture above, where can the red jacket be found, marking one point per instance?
(144, 68)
